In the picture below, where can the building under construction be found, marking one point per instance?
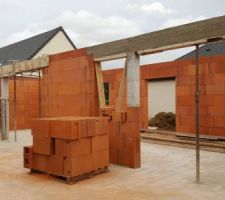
(76, 133)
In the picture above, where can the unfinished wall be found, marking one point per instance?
(124, 139)
(26, 102)
(69, 86)
(212, 86)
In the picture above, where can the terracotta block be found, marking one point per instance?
(42, 145)
(40, 162)
(133, 114)
(64, 129)
(83, 128)
(78, 165)
(40, 127)
(217, 131)
(100, 159)
(183, 90)
(186, 110)
(107, 111)
(55, 165)
(91, 126)
(216, 110)
(186, 100)
(130, 128)
(105, 121)
(27, 151)
(68, 88)
(219, 122)
(97, 126)
(206, 121)
(113, 156)
(215, 89)
(218, 67)
(219, 78)
(100, 143)
(119, 116)
(188, 120)
(125, 158)
(27, 162)
(58, 147)
(77, 148)
(207, 100)
(219, 100)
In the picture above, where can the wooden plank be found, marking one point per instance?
(122, 88)
(24, 66)
(200, 32)
(100, 84)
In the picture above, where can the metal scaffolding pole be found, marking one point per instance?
(14, 107)
(197, 94)
(39, 92)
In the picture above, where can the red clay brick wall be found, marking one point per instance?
(212, 96)
(69, 85)
(212, 86)
(26, 102)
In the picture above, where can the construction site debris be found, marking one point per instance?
(164, 121)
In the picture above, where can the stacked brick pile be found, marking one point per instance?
(68, 146)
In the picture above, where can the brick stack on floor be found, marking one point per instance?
(69, 147)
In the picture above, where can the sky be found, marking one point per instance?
(97, 21)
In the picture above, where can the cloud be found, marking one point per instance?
(90, 29)
(180, 21)
(21, 35)
(155, 8)
(84, 28)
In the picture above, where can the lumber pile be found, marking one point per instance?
(68, 147)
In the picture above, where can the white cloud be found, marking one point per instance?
(155, 8)
(21, 35)
(84, 28)
(90, 29)
(180, 21)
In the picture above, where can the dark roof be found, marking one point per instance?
(210, 49)
(26, 49)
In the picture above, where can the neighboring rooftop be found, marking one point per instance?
(210, 49)
(26, 49)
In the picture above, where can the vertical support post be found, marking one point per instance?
(100, 84)
(5, 108)
(14, 108)
(122, 88)
(39, 92)
(197, 94)
(133, 79)
(133, 106)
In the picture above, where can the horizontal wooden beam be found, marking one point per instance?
(24, 66)
(200, 32)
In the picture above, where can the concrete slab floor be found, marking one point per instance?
(166, 173)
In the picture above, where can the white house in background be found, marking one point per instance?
(50, 42)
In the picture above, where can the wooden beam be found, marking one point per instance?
(200, 32)
(100, 84)
(122, 88)
(24, 66)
